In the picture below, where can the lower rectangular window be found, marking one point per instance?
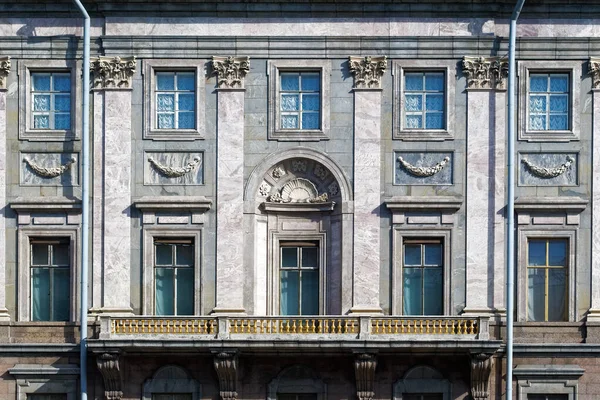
(547, 279)
(174, 396)
(422, 277)
(299, 278)
(547, 397)
(295, 396)
(425, 396)
(50, 279)
(46, 397)
(174, 276)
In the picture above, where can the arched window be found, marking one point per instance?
(171, 383)
(297, 382)
(422, 383)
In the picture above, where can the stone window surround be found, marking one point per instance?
(410, 385)
(573, 68)
(46, 379)
(177, 232)
(26, 131)
(274, 67)
(283, 384)
(149, 78)
(179, 382)
(399, 67)
(547, 379)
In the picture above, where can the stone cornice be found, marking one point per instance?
(367, 71)
(595, 72)
(485, 72)
(4, 70)
(112, 72)
(231, 71)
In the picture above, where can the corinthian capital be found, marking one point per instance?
(230, 71)
(485, 72)
(4, 70)
(595, 72)
(112, 72)
(367, 71)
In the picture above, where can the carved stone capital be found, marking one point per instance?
(109, 366)
(367, 71)
(226, 367)
(231, 71)
(485, 72)
(4, 70)
(364, 369)
(595, 72)
(112, 72)
(481, 367)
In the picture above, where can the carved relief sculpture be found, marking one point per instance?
(299, 190)
(230, 71)
(481, 366)
(320, 172)
(367, 71)
(423, 171)
(364, 369)
(595, 72)
(4, 70)
(113, 72)
(334, 189)
(174, 172)
(278, 172)
(543, 172)
(108, 365)
(226, 368)
(299, 165)
(264, 189)
(485, 72)
(51, 172)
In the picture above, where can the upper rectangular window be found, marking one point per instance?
(174, 103)
(424, 103)
(51, 100)
(423, 277)
(299, 279)
(548, 102)
(299, 100)
(174, 276)
(50, 280)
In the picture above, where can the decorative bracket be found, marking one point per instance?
(543, 172)
(226, 367)
(113, 72)
(174, 172)
(423, 171)
(485, 72)
(109, 366)
(364, 368)
(4, 70)
(367, 71)
(481, 367)
(595, 72)
(230, 71)
(52, 172)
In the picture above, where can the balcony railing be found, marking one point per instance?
(296, 328)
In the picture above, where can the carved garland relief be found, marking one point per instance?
(4, 71)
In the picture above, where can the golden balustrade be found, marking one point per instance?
(274, 325)
(190, 326)
(425, 326)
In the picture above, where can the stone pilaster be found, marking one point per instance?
(109, 366)
(4, 71)
(226, 367)
(481, 367)
(364, 370)
(367, 182)
(112, 182)
(231, 72)
(594, 311)
(486, 164)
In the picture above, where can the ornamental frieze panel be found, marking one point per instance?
(174, 168)
(49, 169)
(4, 71)
(485, 72)
(367, 71)
(423, 168)
(548, 169)
(230, 71)
(112, 72)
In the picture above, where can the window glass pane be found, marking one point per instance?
(166, 102)
(165, 81)
(185, 291)
(40, 294)
(412, 254)
(537, 252)
(311, 102)
(414, 121)
(559, 103)
(434, 102)
(41, 102)
(311, 82)
(557, 252)
(289, 121)
(164, 254)
(535, 294)
(166, 121)
(538, 83)
(41, 122)
(186, 81)
(537, 104)
(414, 102)
(412, 292)
(40, 254)
(310, 121)
(62, 83)
(559, 83)
(186, 102)
(557, 293)
(41, 82)
(290, 82)
(537, 122)
(46, 397)
(164, 294)
(185, 254)
(288, 301)
(62, 102)
(558, 122)
(433, 254)
(187, 120)
(310, 292)
(434, 82)
(432, 299)
(289, 102)
(413, 82)
(434, 121)
(62, 121)
(289, 257)
(60, 254)
(310, 257)
(60, 294)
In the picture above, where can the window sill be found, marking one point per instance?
(548, 136)
(298, 135)
(48, 135)
(423, 135)
(174, 134)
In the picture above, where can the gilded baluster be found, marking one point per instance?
(471, 327)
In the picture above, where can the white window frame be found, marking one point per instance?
(399, 69)
(26, 130)
(573, 69)
(274, 68)
(150, 68)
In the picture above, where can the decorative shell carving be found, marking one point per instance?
(299, 190)
(424, 171)
(51, 172)
(174, 172)
(543, 172)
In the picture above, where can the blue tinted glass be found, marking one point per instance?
(310, 257)
(62, 83)
(40, 294)
(559, 103)
(187, 120)
(164, 291)
(434, 121)
(60, 294)
(412, 291)
(163, 254)
(557, 253)
(412, 254)
(186, 82)
(184, 254)
(289, 122)
(557, 291)
(414, 102)
(433, 254)
(289, 257)
(537, 104)
(537, 122)
(310, 293)
(311, 82)
(559, 83)
(186, 102)
(289, 102)
(434, 82)
(310, 121)
(538, 83)
(41, 82)
(290, 82)
(289, 287)
(432, 288)
(414, 121)
(434, 102)
(559, 123)
(165, 81)
(537, 252)
(62, 102)
(311, 102)
(185, 291)
(62, 121)
(413, 82)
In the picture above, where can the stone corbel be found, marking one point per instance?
(481, 367)
(367, 71)
(595, 72)
(226, 367)
(4, 70)
(112, 72)
(109, 366)
(364, 369)
(485, 72)
(231, 71)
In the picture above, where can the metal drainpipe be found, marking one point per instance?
(85, 166)
(510, 268)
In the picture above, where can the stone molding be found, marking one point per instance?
(364, 369)
(367, 71)
(112, 72)
(231, 71)
(481, 367)
(485, 72)
(594, 71)
(110, 368)
(226, 367)
(4, 71)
